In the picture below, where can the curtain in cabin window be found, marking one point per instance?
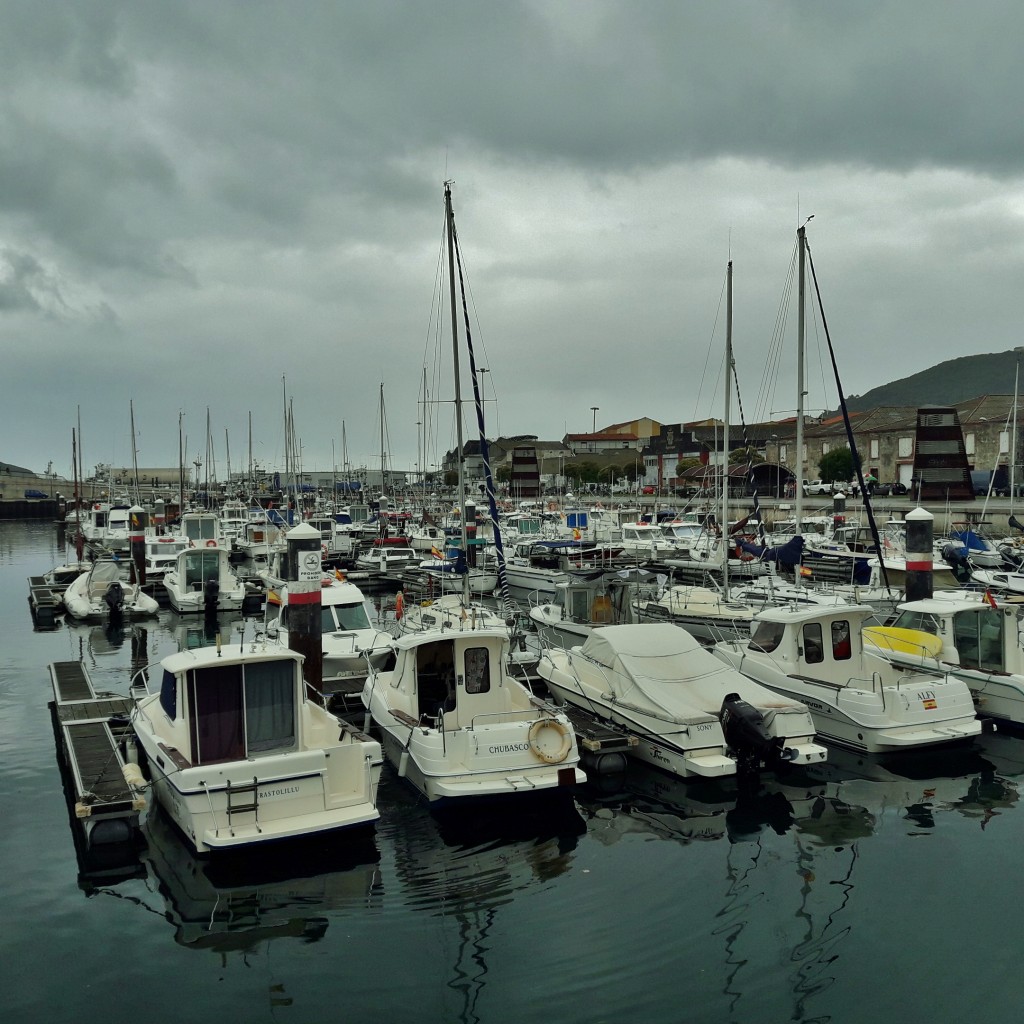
(270, 706)
(217, 724)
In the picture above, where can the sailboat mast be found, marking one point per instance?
(801, 338)
(725, 427)
(135, 454)
(450, 225)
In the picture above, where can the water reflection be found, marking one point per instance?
(233, 904)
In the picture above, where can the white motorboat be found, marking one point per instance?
(457, 724)
(459, 614)
(857, 698)
(350, 641)
(239, 755)
(105, 591)
(689, 716)
(387, 555)
(161, 554)
(963, 633)
(202, 580)
(586, 600)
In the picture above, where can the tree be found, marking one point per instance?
(684, 464)
(744, 455)
(836, 464)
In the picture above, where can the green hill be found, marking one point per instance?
(956, 380)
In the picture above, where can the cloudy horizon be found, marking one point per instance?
(206, 207)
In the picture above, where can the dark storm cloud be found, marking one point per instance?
(237, 191)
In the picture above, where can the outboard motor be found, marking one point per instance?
(748, 736)
(211, 595)
(955, 556)
(114, 598)
(1015, 523)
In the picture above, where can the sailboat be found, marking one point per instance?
(454, 720)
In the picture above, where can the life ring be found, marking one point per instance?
(211, 543)
(552, 506)
(323, 550)
(399, 605)
(539, 746)
(166, 540)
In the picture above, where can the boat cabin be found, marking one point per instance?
(231, 710)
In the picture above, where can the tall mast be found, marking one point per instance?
(800, 357)
(450, 224)
(135, 454)
(725, 427)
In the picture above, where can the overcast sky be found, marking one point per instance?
(206, 205)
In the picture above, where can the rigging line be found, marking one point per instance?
(849, 427)
(708, 350)
(751, 476)
(492, 498)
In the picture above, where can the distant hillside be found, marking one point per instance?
(990, 373)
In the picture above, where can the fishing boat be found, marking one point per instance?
(202, 580)
(106, 591)
(238, 754)
(689, 716)
(858, 699)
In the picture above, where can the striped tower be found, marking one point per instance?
(305, 578)
(920, 530)
(138, 520)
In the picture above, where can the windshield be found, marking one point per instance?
(345, 616)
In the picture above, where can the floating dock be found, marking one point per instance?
(89, 728)
(44, 601)
(603, 746)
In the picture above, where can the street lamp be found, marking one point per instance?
(594, 409)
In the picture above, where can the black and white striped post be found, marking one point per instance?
(920, 533)
(305, 578)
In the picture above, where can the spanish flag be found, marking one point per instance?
(989, 599)
(436, 553)
(273, 597)
(576, 534)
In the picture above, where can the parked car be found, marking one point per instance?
(817, 487)
(887, 490)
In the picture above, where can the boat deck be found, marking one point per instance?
(89, 728)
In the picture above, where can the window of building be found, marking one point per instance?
(825, 447)
(969, 442)
(782, 453)
(874, 449)
(1004, 441)
(905, 447)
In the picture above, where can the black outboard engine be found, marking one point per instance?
(955, 556)
(114, 598)
(211, 595)
(1015, 523)
(748, 736)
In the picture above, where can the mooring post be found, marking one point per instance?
(920, 531)
(305, 578)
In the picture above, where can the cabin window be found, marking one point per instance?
(767, 637)
(478, 670)
(979, 639)
(237, 714)
(270, 707)
(917, 620)
(201, 566)
(352, 616)
(579, 608)
(841, 650)
(169, 694)
(814, 650)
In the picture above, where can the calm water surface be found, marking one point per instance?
(864, 892)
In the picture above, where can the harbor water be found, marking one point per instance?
(860, 890)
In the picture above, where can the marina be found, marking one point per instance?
(767, 899)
